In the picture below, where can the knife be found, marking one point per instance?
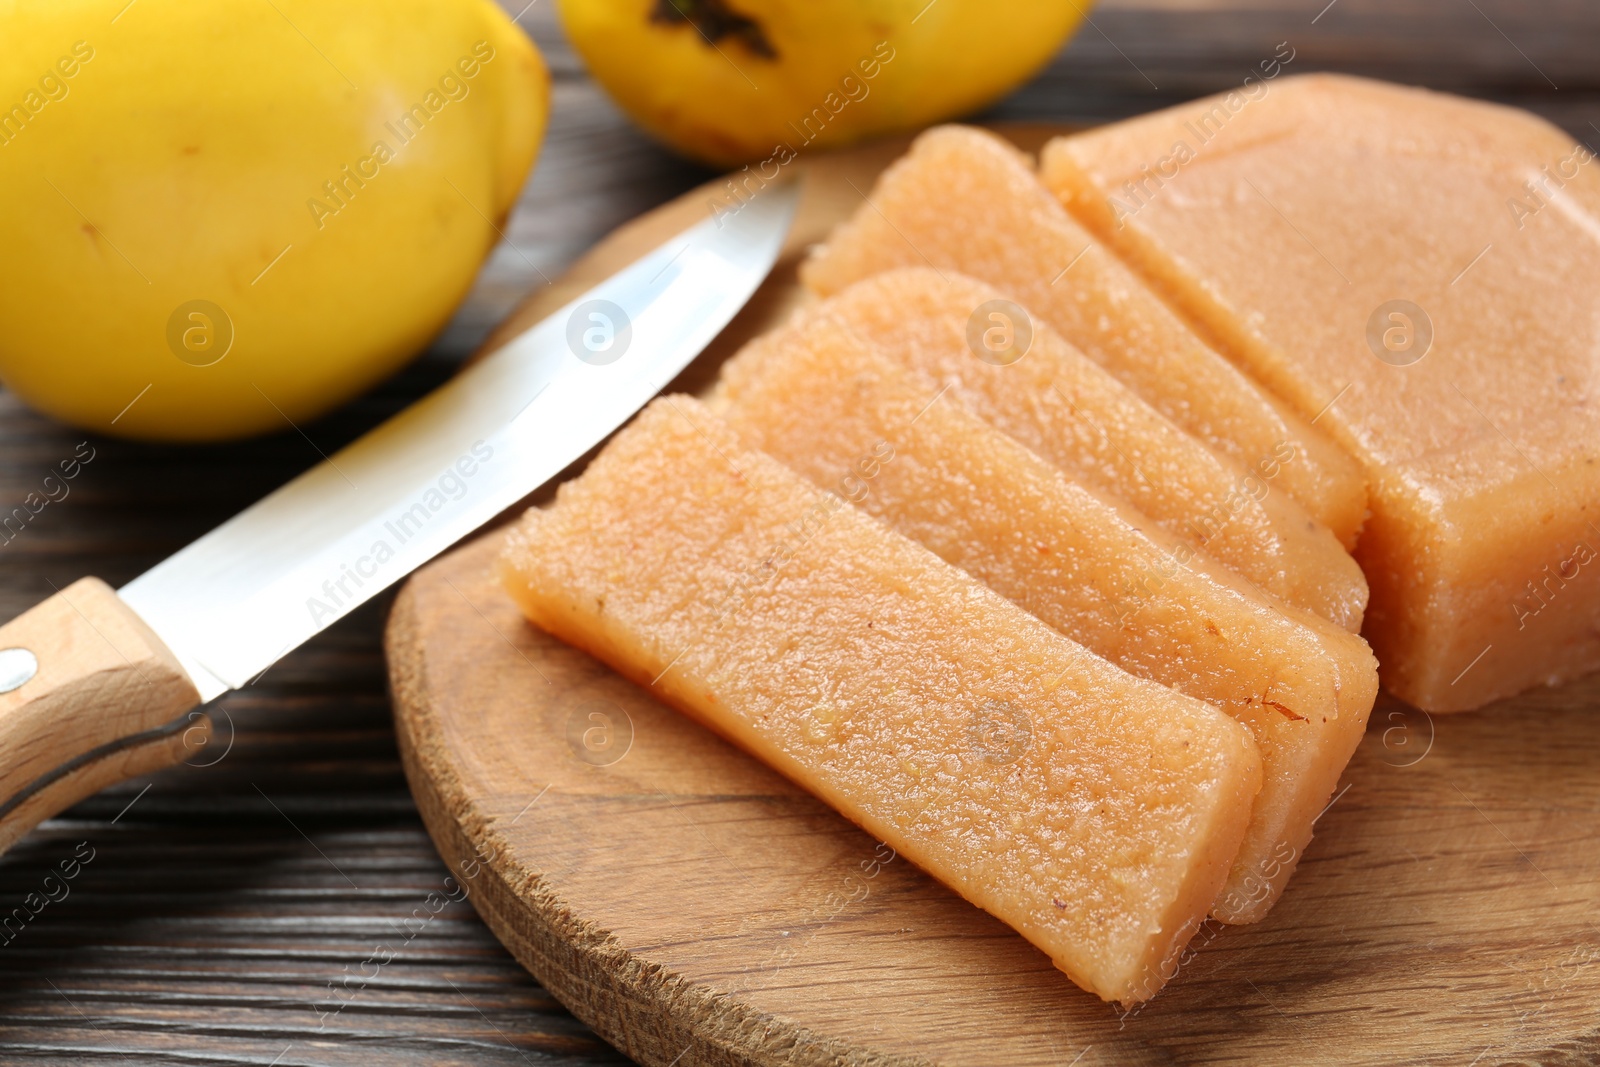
(98, 686)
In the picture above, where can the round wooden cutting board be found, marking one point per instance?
(697, 909)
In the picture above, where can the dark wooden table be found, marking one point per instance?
(224, 904)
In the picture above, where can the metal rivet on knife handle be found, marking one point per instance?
(17, 668)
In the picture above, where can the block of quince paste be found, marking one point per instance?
(1093, 811)
(1074, 413)
(814, 397)
(962, 199)
(1434, 264)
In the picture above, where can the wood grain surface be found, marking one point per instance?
(224, 896)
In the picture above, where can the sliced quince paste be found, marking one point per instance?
(1425, 271)
(835, 409)
(964, 200)
(1072, 412)
(1095, 812)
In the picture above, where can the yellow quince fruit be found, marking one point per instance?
(739, 81)
(225, 219)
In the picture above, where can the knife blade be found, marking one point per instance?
(88, 674)
(267, 580)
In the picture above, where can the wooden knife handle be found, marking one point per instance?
(89, 696)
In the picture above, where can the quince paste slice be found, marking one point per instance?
(1068, 409)
(1095, 812)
